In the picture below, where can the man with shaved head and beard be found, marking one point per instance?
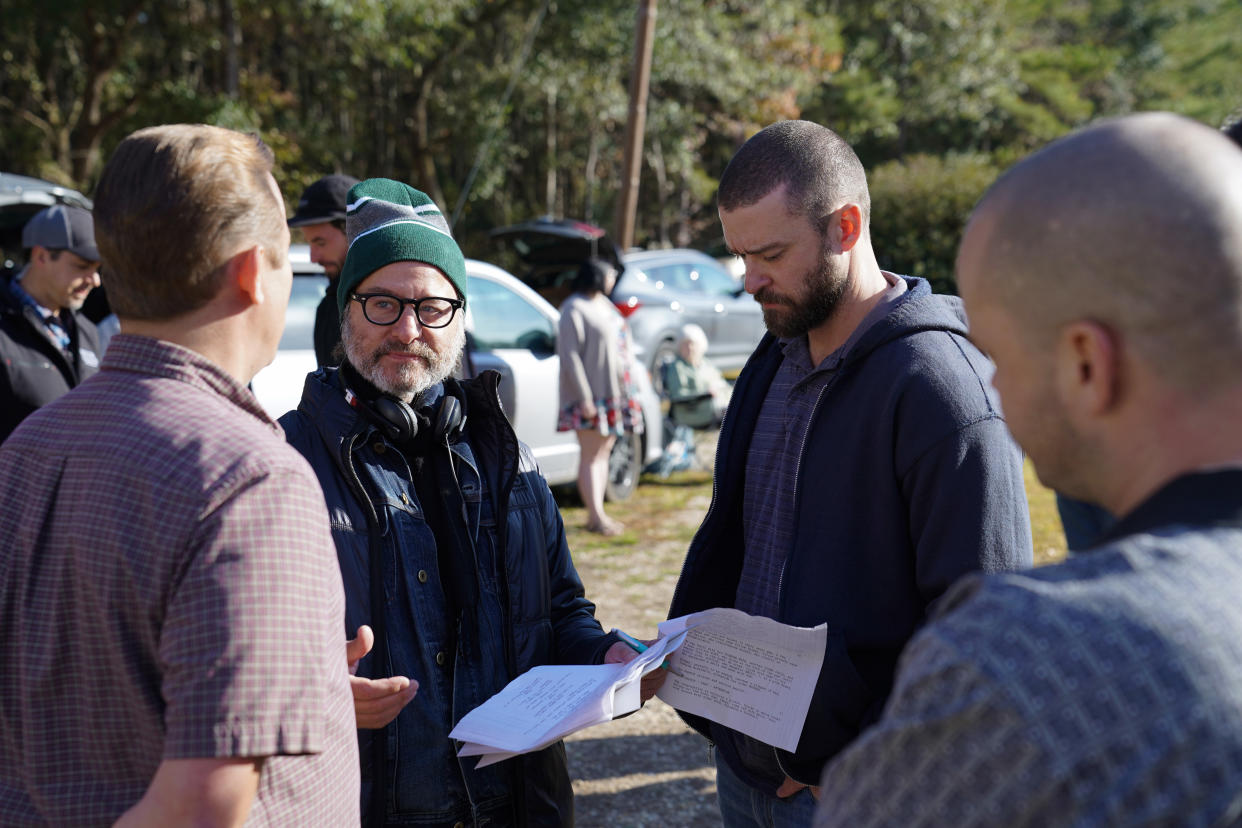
(1104, 277)
(863, 465)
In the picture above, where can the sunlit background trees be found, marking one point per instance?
(507, 109)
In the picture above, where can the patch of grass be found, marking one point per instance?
(1046, 533)
(631, 577)
(667, 513)
(659, 510)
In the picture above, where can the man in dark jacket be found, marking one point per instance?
(46, 345)
(863, 463)
(321, 217)
(441, 517)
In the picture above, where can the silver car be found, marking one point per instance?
(510, 329)
(661, 290)
(658, 291)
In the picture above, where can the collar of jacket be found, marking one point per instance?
(487, 428)
(1202, 499)
(915, 311)
(11, 306)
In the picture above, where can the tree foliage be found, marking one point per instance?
(919, 206)
(507, 109)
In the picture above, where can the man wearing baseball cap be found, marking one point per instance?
(321, 216)
(450, 544)
(46, 345)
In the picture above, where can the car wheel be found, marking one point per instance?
(623, 466)
(666, 351)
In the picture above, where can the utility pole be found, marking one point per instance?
(636, 124)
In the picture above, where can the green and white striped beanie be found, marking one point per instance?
(387, 221)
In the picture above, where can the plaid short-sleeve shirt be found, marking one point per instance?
(168, 589)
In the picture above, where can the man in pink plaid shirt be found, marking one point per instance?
(170, 603)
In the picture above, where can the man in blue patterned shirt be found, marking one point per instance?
(1104, 276)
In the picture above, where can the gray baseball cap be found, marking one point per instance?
(62, 227)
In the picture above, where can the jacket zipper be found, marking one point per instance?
(711, 506)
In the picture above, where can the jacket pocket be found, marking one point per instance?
(533, 643)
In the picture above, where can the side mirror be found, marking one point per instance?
(539, 342)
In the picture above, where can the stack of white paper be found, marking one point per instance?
(545, 704)
(746, 672)
(749, 673)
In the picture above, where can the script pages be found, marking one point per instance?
(749, 673)
(547, 703)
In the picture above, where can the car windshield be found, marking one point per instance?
(503, 319)
(300, 317)
(713, 280)
(632, 279)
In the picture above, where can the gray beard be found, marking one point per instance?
(412, 380)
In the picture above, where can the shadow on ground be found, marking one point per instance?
(663, 753)
(641, 781)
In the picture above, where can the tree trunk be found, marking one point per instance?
(588, 207)
(424, 165)
(661, 173)
(635, 124)
(685, 208)
(549, 153)
(232, 46)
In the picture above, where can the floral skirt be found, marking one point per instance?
(613, 416)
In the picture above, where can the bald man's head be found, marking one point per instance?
(1135, 224)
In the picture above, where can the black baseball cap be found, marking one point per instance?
(62, 227)
(323, 201)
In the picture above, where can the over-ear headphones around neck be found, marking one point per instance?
(431, 424)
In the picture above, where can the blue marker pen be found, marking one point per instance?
(639, 647)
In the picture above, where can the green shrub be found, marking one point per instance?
(919, 206)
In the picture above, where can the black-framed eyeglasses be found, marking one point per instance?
(386, 309)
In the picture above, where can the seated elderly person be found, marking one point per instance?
(697, 393)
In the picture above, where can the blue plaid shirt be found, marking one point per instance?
(50, 318)
(775, 455)
(773, 464)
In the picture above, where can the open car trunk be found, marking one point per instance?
(552, 249)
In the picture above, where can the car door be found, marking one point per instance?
(278, 387)
(511, 333)
(738, 317)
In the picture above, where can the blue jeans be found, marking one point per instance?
(741, 806)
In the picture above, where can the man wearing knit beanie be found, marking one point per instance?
(321, 217)
(442, 520)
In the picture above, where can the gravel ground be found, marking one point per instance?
(643, 771)
(647, 769)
